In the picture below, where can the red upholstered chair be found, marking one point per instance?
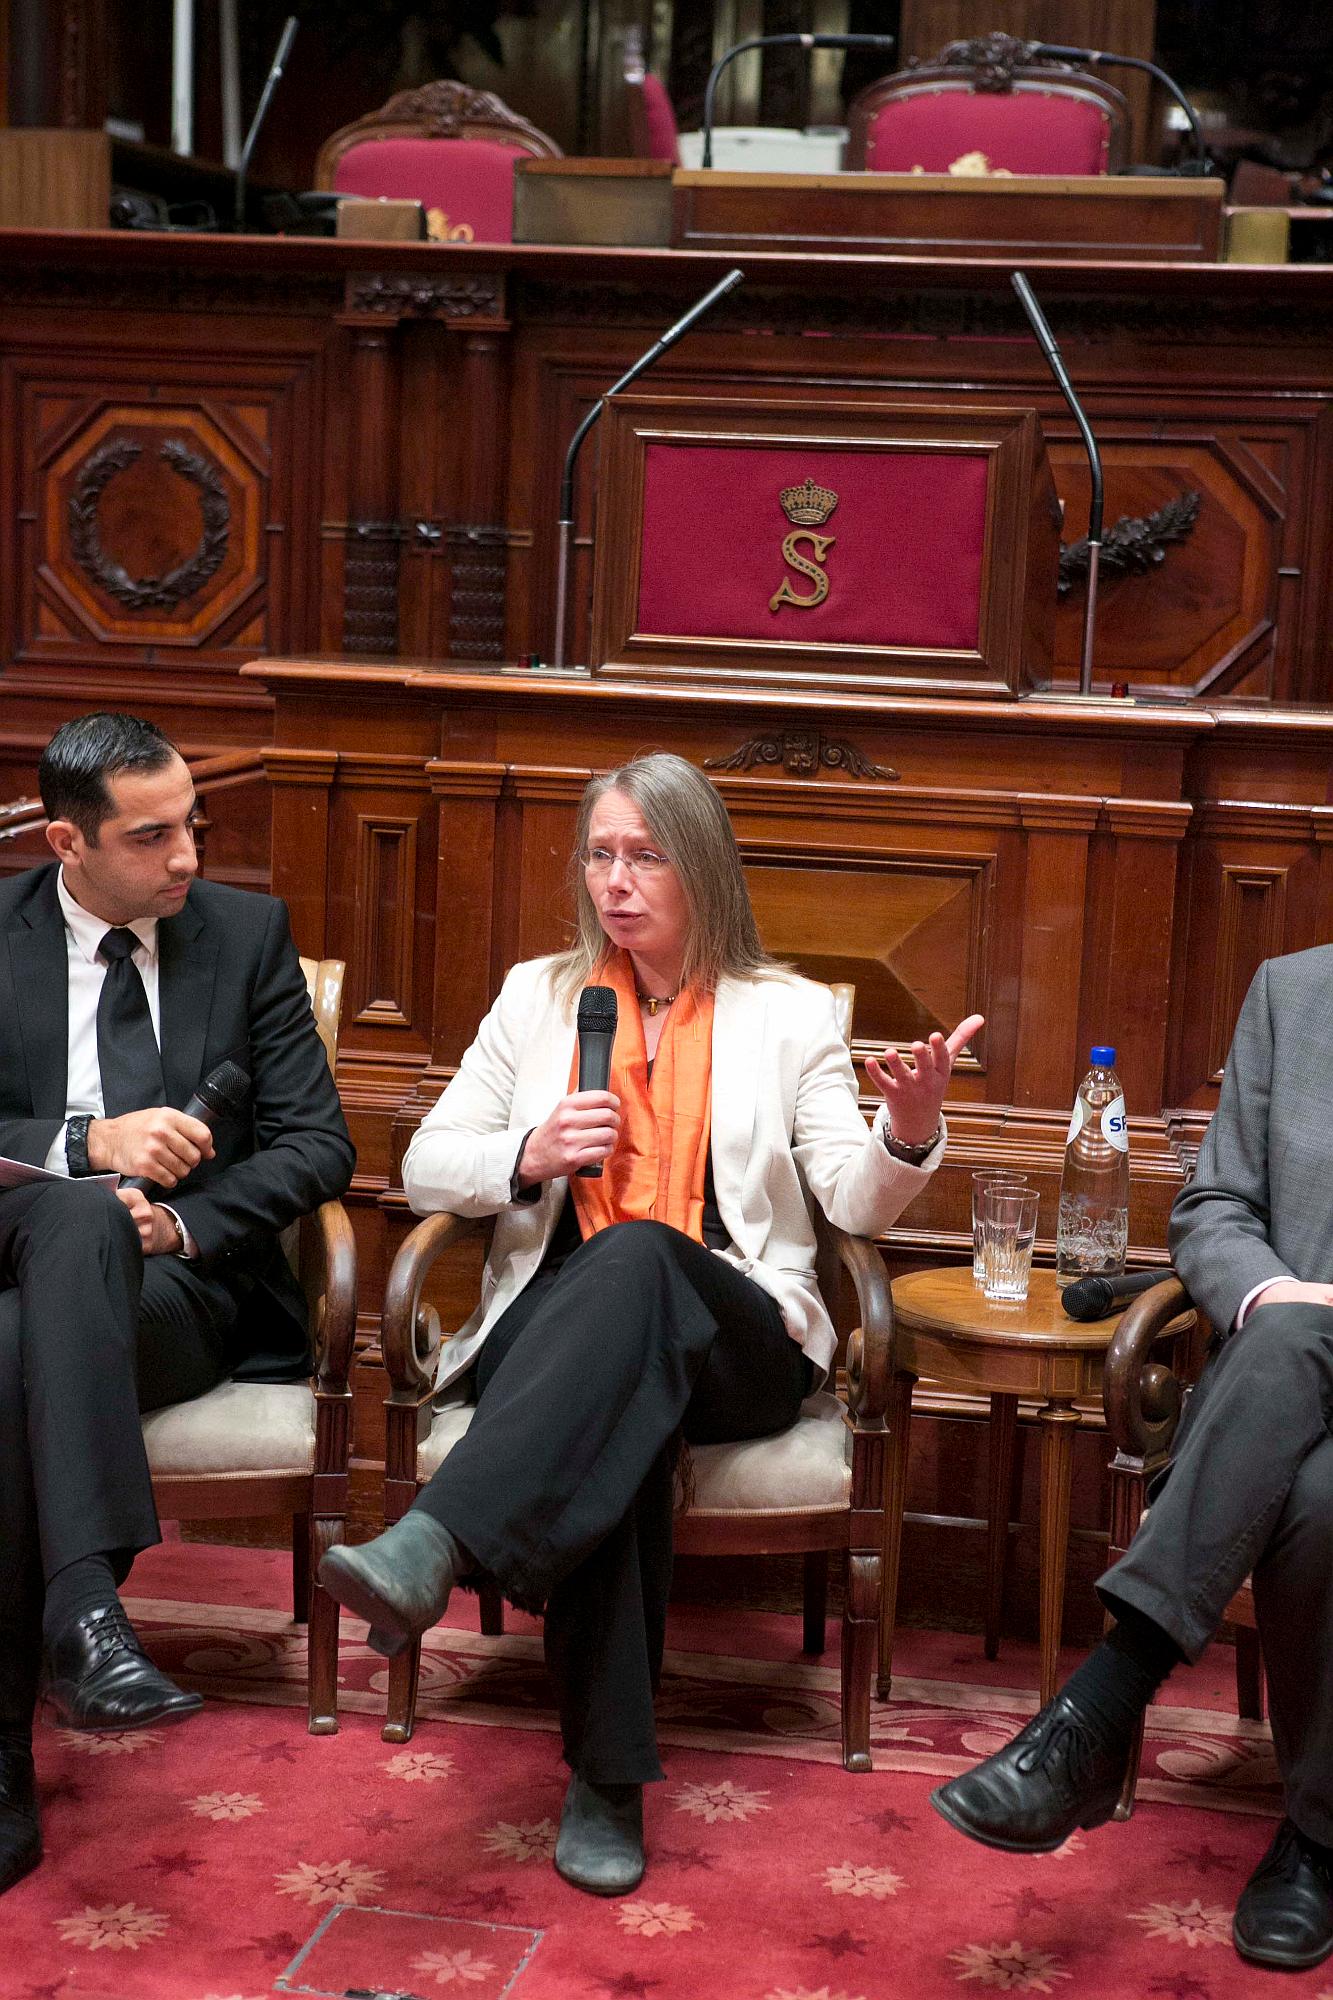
(653, 129)
(448, 147)
(988, 97)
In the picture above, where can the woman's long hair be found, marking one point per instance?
(687, 822)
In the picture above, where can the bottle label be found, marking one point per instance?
(1115, 1125)
(1075, 1122)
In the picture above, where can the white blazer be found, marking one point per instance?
(785, 1119)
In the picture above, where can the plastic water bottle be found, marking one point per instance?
(1092, 1233)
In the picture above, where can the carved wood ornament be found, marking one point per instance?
(1135, 544)
(803, 753)
(186, 579)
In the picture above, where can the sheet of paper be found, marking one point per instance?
(17, 1173)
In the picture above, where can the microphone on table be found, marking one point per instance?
(1098, 1298)
(598, 1013)
(885, 43)
(220, 1095)
(271, 82)
(565, 524)
(1036, 319)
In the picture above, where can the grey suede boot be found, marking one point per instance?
(600, 1843)
(399, 1582)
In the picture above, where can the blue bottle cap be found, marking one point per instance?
(1102, 1057)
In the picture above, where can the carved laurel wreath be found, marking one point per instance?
(148, 593)
(1135, 544)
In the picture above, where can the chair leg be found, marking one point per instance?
(860, 1629)
(300, 1567)
(895, 1500)
(1249, 1674)
(815, 1600)
(1058, 1424)
(492, 1605)
(1000, 1481)
(1125, 1803)
(401, 1714)
(322, 1635)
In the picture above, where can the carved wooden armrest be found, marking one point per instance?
(870, 1345)
(405, 1334)
(1142, 1398)
(328, 1265)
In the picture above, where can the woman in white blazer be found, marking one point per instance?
(672, 1297)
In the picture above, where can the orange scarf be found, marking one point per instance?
(657, 1170)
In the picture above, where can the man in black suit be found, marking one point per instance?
(123, 981)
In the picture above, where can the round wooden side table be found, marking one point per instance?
(948, 1332)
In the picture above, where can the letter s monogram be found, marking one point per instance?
(820, 544)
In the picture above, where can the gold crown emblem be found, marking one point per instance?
(808, 504)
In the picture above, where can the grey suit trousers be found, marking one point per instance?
(1250, 1489)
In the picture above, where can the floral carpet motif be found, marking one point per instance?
(237, 1858)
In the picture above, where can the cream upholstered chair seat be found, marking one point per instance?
(812, 1490)
(239, 1427)
(805, 1470)
(281, 1448)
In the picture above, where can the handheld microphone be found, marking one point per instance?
(565, 523)
(271, 82)
(885, 42)
(1098, 1297)
(598, 1013)
(1036, 319)
(220, 1095)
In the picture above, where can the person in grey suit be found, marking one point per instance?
(1249, 1489)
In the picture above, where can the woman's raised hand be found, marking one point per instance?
(583, 1128)
(915, 1091)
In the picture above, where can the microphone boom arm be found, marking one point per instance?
(885, 42)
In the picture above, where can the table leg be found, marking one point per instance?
(1058, 1423)
(1000, 1482)
(895, 1500)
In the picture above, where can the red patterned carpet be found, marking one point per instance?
(235, 1857)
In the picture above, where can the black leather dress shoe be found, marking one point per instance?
(20, 1830)
(399, 1582)
(600, 1843)
(99, 1677)
(1028, 1798)
(1285, 1914)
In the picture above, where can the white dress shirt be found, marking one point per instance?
(83, 1077)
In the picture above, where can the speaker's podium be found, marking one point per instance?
(832, 544)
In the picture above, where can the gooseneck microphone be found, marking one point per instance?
(598, 1014)
(1097, 1297)
(1058, 50)
(565, 523)
(220, 1095)
(884, 42)
(271, 82)
(1027, 298)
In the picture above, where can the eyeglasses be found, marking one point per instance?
(641, 861)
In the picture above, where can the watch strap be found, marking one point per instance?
(76, 1145)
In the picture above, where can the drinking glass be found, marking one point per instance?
(981, 1180)
(1009, 1230)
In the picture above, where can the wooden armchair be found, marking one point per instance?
(816, 1488)
(264, 1448)
(444, 145)
(988, 105)
(1143, 1400)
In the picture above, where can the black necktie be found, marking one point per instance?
(127, 1052)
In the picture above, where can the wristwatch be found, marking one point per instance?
(76, 1144)
(912, 1156)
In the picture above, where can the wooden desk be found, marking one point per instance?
(949, 1333)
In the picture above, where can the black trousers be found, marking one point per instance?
(562, 1487)
(90, 1335)
(1250, 1488)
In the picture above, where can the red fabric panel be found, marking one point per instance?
(1026, 132)
(662, 127)
(904, 568)
(471, 180)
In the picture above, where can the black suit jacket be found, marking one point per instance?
(229, 984)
